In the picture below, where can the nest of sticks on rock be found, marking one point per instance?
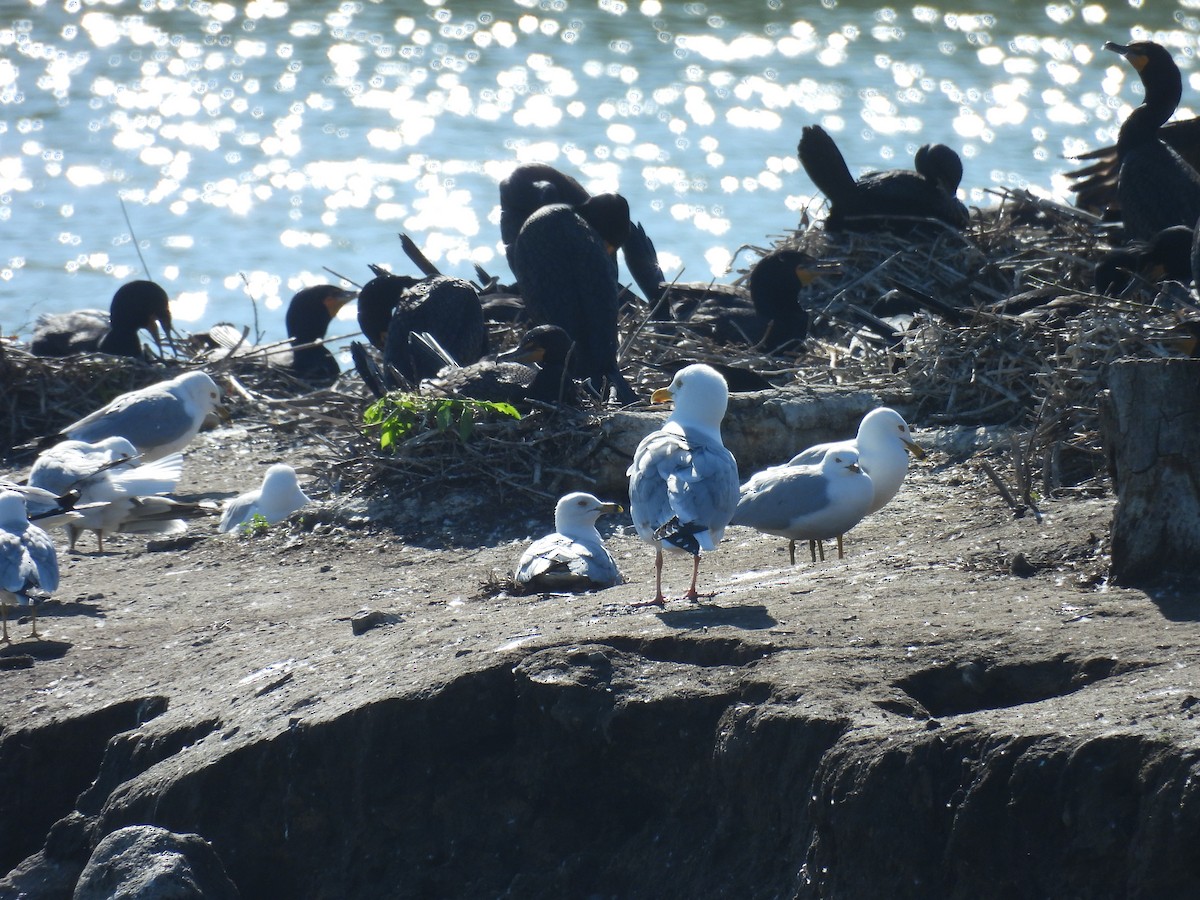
(1026, 348)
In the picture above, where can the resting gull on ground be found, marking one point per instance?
(683, 483)
(277, 498)
(27, 560)
(574, 557)
(116, 493)
(158, 420)
(883, 444)
(807, 502)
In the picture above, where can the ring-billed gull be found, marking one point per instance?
(683, 483)
(27, 560)
(116, 492)
(807, 502)
(574, 557)
(883, 444)
(277, 498)
(158, 420)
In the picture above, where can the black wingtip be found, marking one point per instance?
(680, 534)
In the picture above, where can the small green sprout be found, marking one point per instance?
(257, 524)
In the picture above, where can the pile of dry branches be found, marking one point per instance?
(1027, 348)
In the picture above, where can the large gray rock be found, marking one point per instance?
(143, 862)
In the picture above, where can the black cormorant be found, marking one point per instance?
(563, 260)
(135, 305)
(884, 201)
(391, 308)
(536, 369)
(1155, 187)
(1167, 256)
(526, 190)
(307, 320)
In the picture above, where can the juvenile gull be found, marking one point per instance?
(883, 444)
(807, 502)
(158, 420)
(574, 557)
(683, 483)
(277, 498)
(27, 560)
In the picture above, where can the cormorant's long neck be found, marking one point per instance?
(1143, 123)
(1140, 128)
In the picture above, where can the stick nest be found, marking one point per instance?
(1030, 353)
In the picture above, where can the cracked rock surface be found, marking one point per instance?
(351, 711)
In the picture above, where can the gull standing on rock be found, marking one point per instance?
(807, 502)
(277, 498)
(883, 444)
(683, 483)
(158, 420)
(574, 557)
(27, 560)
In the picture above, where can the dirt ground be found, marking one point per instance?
(948, 613)
(946, 560)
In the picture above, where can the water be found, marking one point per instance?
(251, 145)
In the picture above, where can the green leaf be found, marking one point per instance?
(466, 424)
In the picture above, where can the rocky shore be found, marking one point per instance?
(337, 707)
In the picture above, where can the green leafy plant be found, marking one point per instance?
(400, 416)
(257, 524)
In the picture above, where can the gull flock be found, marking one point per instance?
(114, 471)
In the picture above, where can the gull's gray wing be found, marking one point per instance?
(149, 418)
(774, 498)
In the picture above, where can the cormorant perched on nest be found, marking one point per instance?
(536, 369)
(1155, 187)
(1165, 257)
(307, 320)
(884, 201)
(568, 277)
(393, 307)
(768, 312)
(526, 190)
(135, 305)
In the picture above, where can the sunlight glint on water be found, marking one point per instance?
(254, 144)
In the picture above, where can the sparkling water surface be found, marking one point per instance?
(235, 150)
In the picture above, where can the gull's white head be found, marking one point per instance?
(881, 427)
(280, 478)
(116, 447)
(579, 511)
(200, 389)
(700, 394)
(840, 462)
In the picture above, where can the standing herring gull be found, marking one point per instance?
(27, 560)
(158, 420)
(683, 483)
(277, 498)
(883, 444)
(115, 492)
(574, 557)
(807, 502)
